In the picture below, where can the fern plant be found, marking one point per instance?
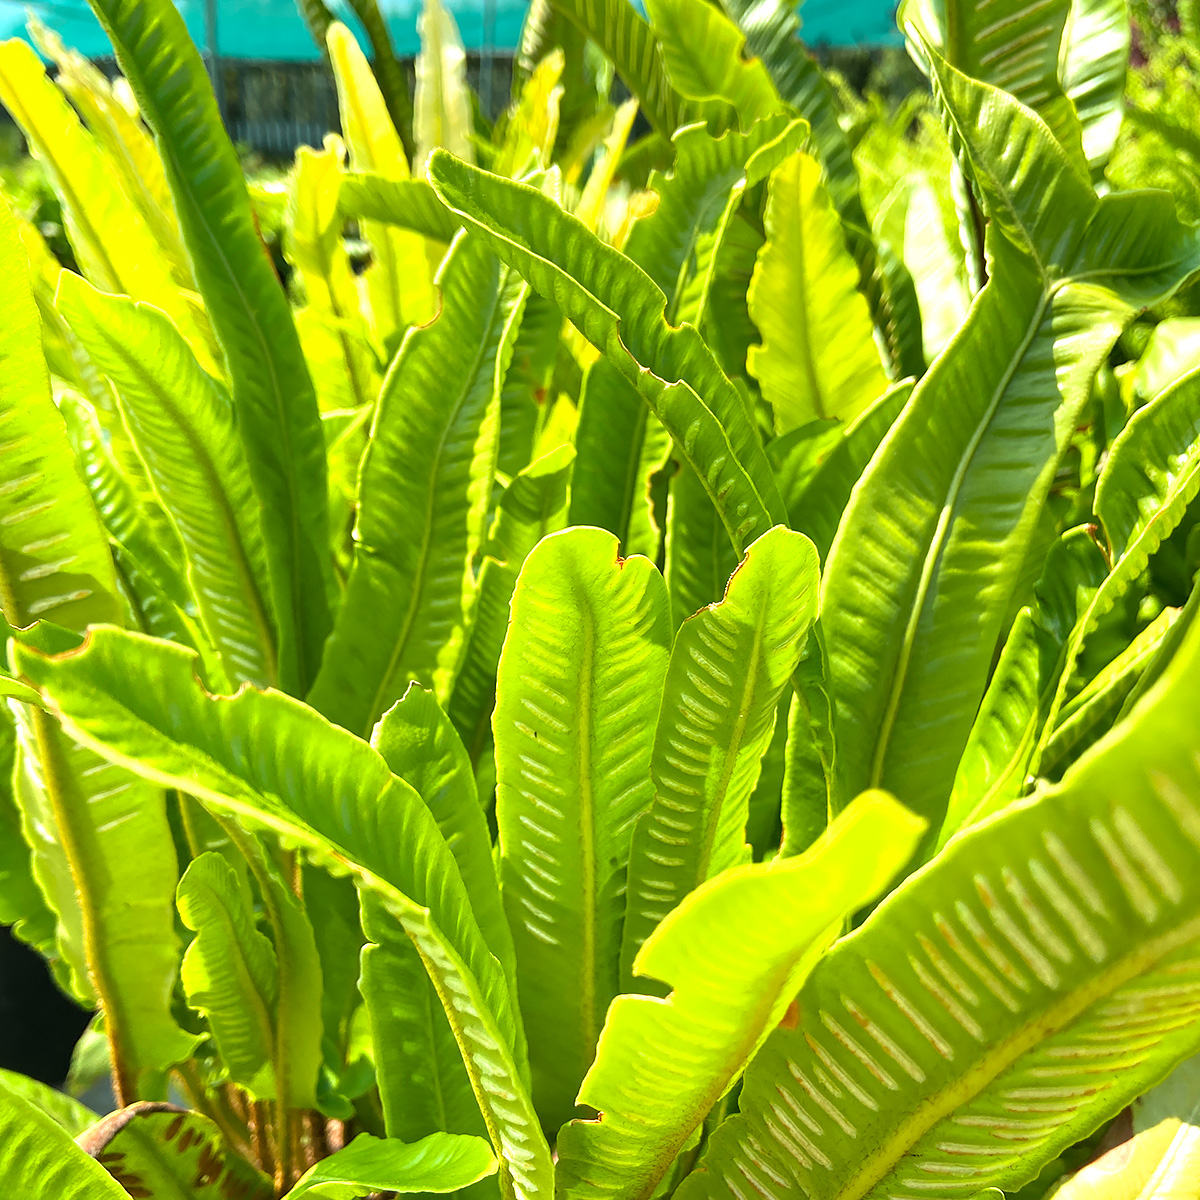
(677, 678)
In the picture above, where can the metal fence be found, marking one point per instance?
(271, 108)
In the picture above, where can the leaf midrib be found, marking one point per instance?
(933, 554)
(585, 698)
(418, 584)
(327, 852)
(244, 574)
(733, 746)
(878, 1165)
(199, 203)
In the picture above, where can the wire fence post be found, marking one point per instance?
(214, 57)
(487, 54)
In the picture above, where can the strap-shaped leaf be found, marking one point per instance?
(333, 330)
(533, 505)
(111, 239)
(930, 548)
(399, 282)
(728, 668)
(1097, 705)
(441, 1162)
(1092, 62)
(734, 953)
(273, 763)
(185, 432)
(389, 74)
(148, 555)
(419, 744)
(162, 1150)
(272, 392)
(1012, 46)
(620, 310)
(39, 1159)
(608, 485)
(809, 798)
(128, 143)
(90, 820)
(677, 244)
(22, 905)
(576, 696)
(423, 1084)
(1151, 475)
(442, 105)
(818, 357)
(423, 494)
(229, 971)
(771, 28)
(1038, 975)
(54, 558)
(408, 203)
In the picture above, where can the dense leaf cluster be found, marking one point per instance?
(677, 678)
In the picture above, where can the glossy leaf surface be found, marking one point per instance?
(942, 505)
(441, 1162)
(275, 764)
(620, 310)
(728, 668)
(734, 953)
(1000, 1004)
(272, 392)
(422, 499)
(576, 696)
